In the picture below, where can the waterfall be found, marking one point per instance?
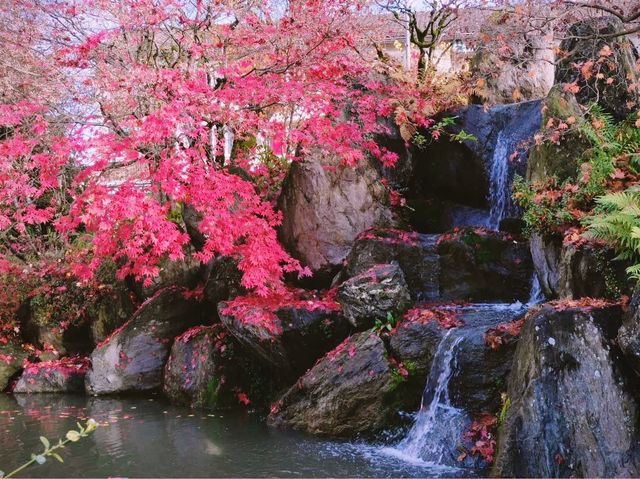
(499, 191)
(536, 295)
(438, 426)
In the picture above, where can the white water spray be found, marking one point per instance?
(436, 430)
(499, 191)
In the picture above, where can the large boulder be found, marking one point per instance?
(58, 376)
(12, 356)
(484, 265)
(481, 368)
(347, 392)
(576, 271)
(629, 333)
(572, 413)
(592, 46)
(325, 205)
(559, 159)
(415, 253)
(288, 331)
(208, 369)
(133, 358)
(527, 74)
(373, 295)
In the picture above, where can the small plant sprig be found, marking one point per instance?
(52, 450)
(385, 327)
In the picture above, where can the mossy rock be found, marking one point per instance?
(12, 355)
(559, 160)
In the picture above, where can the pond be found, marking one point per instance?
(147, 437)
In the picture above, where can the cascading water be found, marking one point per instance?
(436, 431)
(536, 295)
(499, 191)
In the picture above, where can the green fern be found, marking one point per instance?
(617, 223)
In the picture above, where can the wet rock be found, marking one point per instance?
(451, 171)
(207, 368)
(576, 271)
(325, 206)
(347, 392)
(414, 344)
(415, 253)
(480, 371)
(287, 331)
(615, 57)
(571, 412)
(558, 159)
(59, 376)
(192, 375)
(373, 295)
(629, 333)
(12, 355)
(133, 358)
(484, 265)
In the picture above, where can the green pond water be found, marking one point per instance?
(146, 437)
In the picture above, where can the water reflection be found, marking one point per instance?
(146, 437)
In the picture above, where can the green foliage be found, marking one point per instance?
(52, 451)
(617, 223)
(506, 404)
(175, 213)
(438, 129)
(382, 327)
(400, 372)
(553, 207)
(546, 215)
(212, 392)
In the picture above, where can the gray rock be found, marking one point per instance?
(60, 376)
(415, 253)
(133, 358)
(526, 75)
(570, 271)
(484, 265)
(110, 312)
(207, 368)
(373, 294)
(289, 332)
(347, 392)
(558, 159)
(325, 206)
(571, 412)
(629, 333)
